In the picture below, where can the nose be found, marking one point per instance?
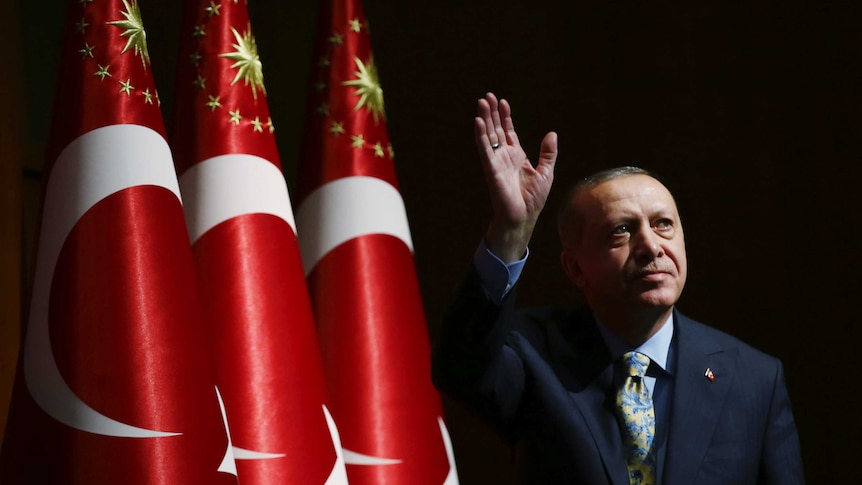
(647, 245)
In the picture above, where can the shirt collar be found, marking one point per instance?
(656, 348)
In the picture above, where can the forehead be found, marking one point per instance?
(628, 195)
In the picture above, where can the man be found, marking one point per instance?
(695, 405)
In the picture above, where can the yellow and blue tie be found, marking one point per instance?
(637, 420)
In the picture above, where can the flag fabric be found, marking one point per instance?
(357, 254)
(11, 189)
(241, 224)
(114, 384)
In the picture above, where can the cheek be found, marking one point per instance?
(677, 254)
(682, 267)
(604, 270)
(616, 260)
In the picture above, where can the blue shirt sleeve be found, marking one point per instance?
(496, 276)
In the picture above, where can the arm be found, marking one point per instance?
(471, 360)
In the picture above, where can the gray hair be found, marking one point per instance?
(568, 225)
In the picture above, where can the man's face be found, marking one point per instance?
(631, 251)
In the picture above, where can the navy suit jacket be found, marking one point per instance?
(543, 378)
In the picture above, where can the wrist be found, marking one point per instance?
(509, 241)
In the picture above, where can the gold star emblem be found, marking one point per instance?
(102, 73)
(86, 51)
(213, 9)
(248, 65)
(378, 150)
(367, 88)
(257, 125)
(336, 39)
(358, 141)
(323, 109)
(195, 58)
(336, 128)
(148, 96)
(323, 61)
(390, 150)
(134, 31)
(234, 117)
(127, 87)
(270, 125)
(355, 25)
(319, 86)
(82, 25)
(199, 32)
(200, 82)
(213, 103)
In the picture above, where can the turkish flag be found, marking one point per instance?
(357, 254)
(256, 303)
(114, 384)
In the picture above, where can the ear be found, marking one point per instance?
(569, 261)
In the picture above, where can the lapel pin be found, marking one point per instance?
(709, 375)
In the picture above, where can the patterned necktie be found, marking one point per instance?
(637, 420)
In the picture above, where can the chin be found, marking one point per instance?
(657, 299)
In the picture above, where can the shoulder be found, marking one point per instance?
(554, 327)
(543, 318)
(711, 340)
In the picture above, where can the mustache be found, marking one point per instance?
(652, 268)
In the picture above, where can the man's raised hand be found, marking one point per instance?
(518, 190)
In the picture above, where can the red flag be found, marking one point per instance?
(357, 253)
(114, 385)
(256, 303)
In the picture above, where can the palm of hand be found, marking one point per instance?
(520, 190)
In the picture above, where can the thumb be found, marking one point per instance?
(548, 154)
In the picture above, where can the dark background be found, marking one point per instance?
(750, 112)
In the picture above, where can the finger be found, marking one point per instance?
(487, 106)
(548, 154)
(496, 133)
(483, 109)
(507, 125)
(483, 143)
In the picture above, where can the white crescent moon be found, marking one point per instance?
(452, 477)
(217, 190)
(342, 210)
(233, 453)
(345, 209)
(92, 167)
(338, 476)
(228, 463)
(221, 188)
(353, 458)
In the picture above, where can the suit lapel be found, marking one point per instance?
(583, 364)
(697, 401)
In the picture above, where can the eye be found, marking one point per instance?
(664, 226)
(621, 229)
